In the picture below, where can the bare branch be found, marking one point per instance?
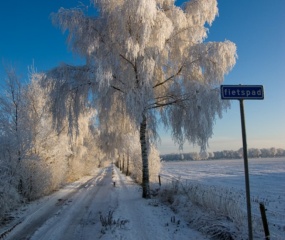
(133, 65)
(170, 100)
(174, 75)
(171, 77)
(178, 32)
(114, 76)
(117, 89)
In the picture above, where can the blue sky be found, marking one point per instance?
(256, 26)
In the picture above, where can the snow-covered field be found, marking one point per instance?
(224, 179)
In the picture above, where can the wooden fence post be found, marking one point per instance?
(264, 221)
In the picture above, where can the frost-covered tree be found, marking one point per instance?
(280, 152)
(35, 158)
(254, 152)
(14, 129)
(119, 138)
(136, 164)
(152, 57)
(204, 155)
(67, 157)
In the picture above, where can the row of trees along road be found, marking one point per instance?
(149, 60)
(37, 159)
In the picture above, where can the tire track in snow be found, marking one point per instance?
(82, 220)
(51, 211)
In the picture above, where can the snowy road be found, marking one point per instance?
(80, 210)
(71, 213)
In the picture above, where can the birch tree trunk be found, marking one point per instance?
(128, 164)
(145, 172)
(119, 161)
(123, 168)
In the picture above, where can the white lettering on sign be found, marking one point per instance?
(245, 93)
(242, 92)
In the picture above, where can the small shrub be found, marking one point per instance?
(109, 223)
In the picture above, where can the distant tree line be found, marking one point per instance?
(225, 154)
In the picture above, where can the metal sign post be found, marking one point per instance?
(246, 171)
(241, 92)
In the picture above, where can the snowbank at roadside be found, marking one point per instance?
(144, 219)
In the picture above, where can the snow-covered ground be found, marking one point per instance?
(108, 205)
(95, 208)
(224, 179)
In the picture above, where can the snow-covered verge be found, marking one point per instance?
(143, 219)
(211, 196)
(201, 206)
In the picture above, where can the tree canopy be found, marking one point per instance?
(149, 54)
(151, 58)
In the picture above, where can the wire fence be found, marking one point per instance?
(229, 202)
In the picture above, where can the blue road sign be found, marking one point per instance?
(253, 92)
